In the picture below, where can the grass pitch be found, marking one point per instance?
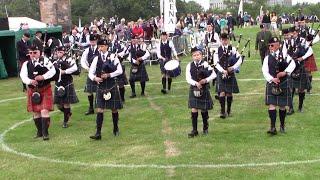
(153, 141)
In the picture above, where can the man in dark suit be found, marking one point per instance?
(38, 42)
(23, 54)
(262, 40)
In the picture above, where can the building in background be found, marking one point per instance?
(221, 4)
(280, 2)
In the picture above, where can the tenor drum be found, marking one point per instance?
(172, 68)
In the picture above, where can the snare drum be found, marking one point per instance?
(172, 68)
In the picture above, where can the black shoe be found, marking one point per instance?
(193, 134)
(38, 135)
(272, 131)
(205, 132)
(290, 112)
(133, 96)
(116, 132)
(164, 91)
(222, 115)
(46, 138)
(282, 129)
(65, 125)
(96, 137)
(90, 111)
(142, 94)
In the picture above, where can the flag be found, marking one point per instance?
(240, 11)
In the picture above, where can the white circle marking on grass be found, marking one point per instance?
(6, 148)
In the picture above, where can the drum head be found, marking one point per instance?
(171, 65)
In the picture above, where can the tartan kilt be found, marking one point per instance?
(229, 85)
(70, 96)
(122, 79)
(91, 86)
(114, 103)
(301, 83)
(204, 102)
(46, 102)
(162, 69)
(310, 64)
(141, 75)
(285, 99)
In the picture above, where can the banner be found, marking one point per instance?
(170, 18)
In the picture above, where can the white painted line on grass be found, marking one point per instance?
(136, 166)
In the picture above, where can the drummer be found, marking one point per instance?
(212, 42)
(165, 50)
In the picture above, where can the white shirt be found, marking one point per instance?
(288, 70)
(93, 67)
(87, 42)
(84, 58)
(233, 52)
(171, 45)
(213, 35)
(73, 39)
(206, 65)
(47, 63)
(71, 69)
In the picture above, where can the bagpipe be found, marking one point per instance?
(202, 73)
(108, 67)
(281, 65)
(233, 59)
(39, 68)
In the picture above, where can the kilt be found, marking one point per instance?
(122, 79)
(301, 83)
(70, 96)
(115, 101)
(284, 99)
(204, 102)
(162, 69)
(46, 102)
(229, 85)
(91, 86)
(141, 75)
(310, 64)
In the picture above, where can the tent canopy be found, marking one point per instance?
(15, 22)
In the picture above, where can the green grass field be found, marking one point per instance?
(153, 143)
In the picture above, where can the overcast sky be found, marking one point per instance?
(205, 3)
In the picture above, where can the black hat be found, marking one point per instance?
(34, 48)
(195, 49)
(274, 40)
(38, 32)
(301, 18)
(261, 26)
(285, 31)
(26, 35)
(61, 48)
(164, 33)
(93, 37)
(103, 42)
(224, 36)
